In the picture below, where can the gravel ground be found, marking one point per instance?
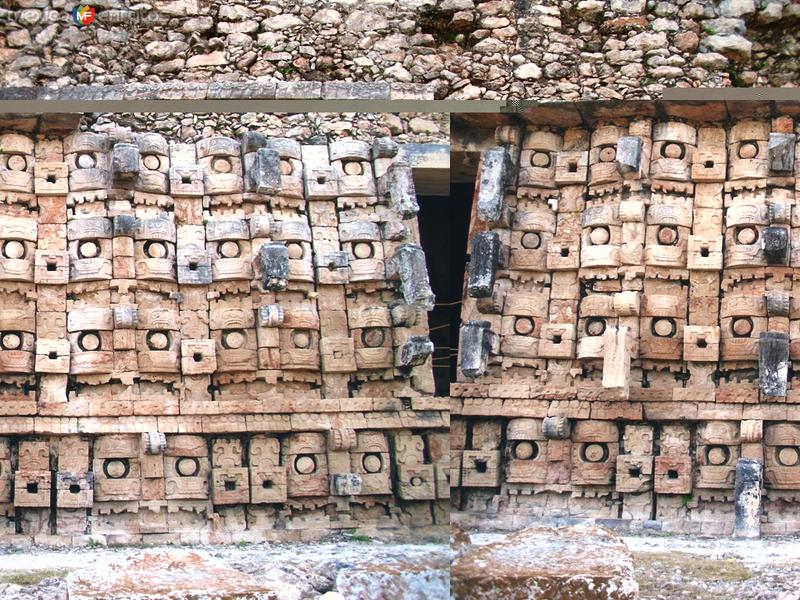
(307, 570)
(695, 568)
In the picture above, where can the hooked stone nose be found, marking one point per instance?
(617, 361)
(773, 363)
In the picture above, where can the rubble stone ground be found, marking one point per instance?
(672, 567)
(359, 568)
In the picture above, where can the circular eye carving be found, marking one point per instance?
(187, 466)
(524, 326)
(220, 164)
(301, 338)
(608, 153)
(742, 326)
(373, 337)
(531, 240)
(229, 249)
(89, 341)
(87, 160)
(14, 249)
(595, 326)
(664, 327)
(158, 339)
(667, 235)
(155, 249)
(595, 452)
(286, 167)
(353, 167)
(11, 340)
(540, 159)
(372, 463)
(718, 455)
(151, 162)
(295, 250)
(17, 162)
(746, 235)
(88, 248)
(673, 150)
(788, 456)
(363, 250)
(599, 236)
(748, 150)
(233, 339)
(305, 464)
(116, 468)
(526, 450)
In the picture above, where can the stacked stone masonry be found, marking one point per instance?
(216, 341)
(630, 324)
(460, 49)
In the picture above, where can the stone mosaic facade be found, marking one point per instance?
(392, 49)
(630, 330)
(213, 341)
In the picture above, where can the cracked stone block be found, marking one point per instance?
(475, 344)
(483, 264)
(495, 173)
(416, 350)
(556, 428)
(125, 225)
(398, 184)
(583, 561)
(781, 151)
(773, 363)
(345, 484)
(747, 498)
(409, 263)
(125, 162)
(264, 175)
(775, 242)
(274, 257)
(384, 147)
(629, 154)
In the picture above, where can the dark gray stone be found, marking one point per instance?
(775, 243)
(274, 257)
(747, 498)
(416, 350)
(125, 225)
(495, 175)
(264, 175)
(270, 315)
(333, 259)
(125, 162)
(409, 264)
(252, 141)
(556, 428)
(398, 184)
(475, 344)
(345, 484)
(483, 264)
(194, 271)
(781, 152)
(773, 363)
(629, 154)
(777, 303)
(384, 147)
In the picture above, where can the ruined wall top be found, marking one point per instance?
(458, 49)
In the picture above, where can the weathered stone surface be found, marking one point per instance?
(168, 575)
(781, 151)
(538, 562)
(483, 264)
(773, 363)
(494, 176)
(749, 475)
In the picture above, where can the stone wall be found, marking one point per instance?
(464, 49)
(629, 327)
(417, 128)
(213, 341)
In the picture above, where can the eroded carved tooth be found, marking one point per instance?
(495, 174)
(483, 263)
(781, 152)
(274, 257)
(475, 344)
